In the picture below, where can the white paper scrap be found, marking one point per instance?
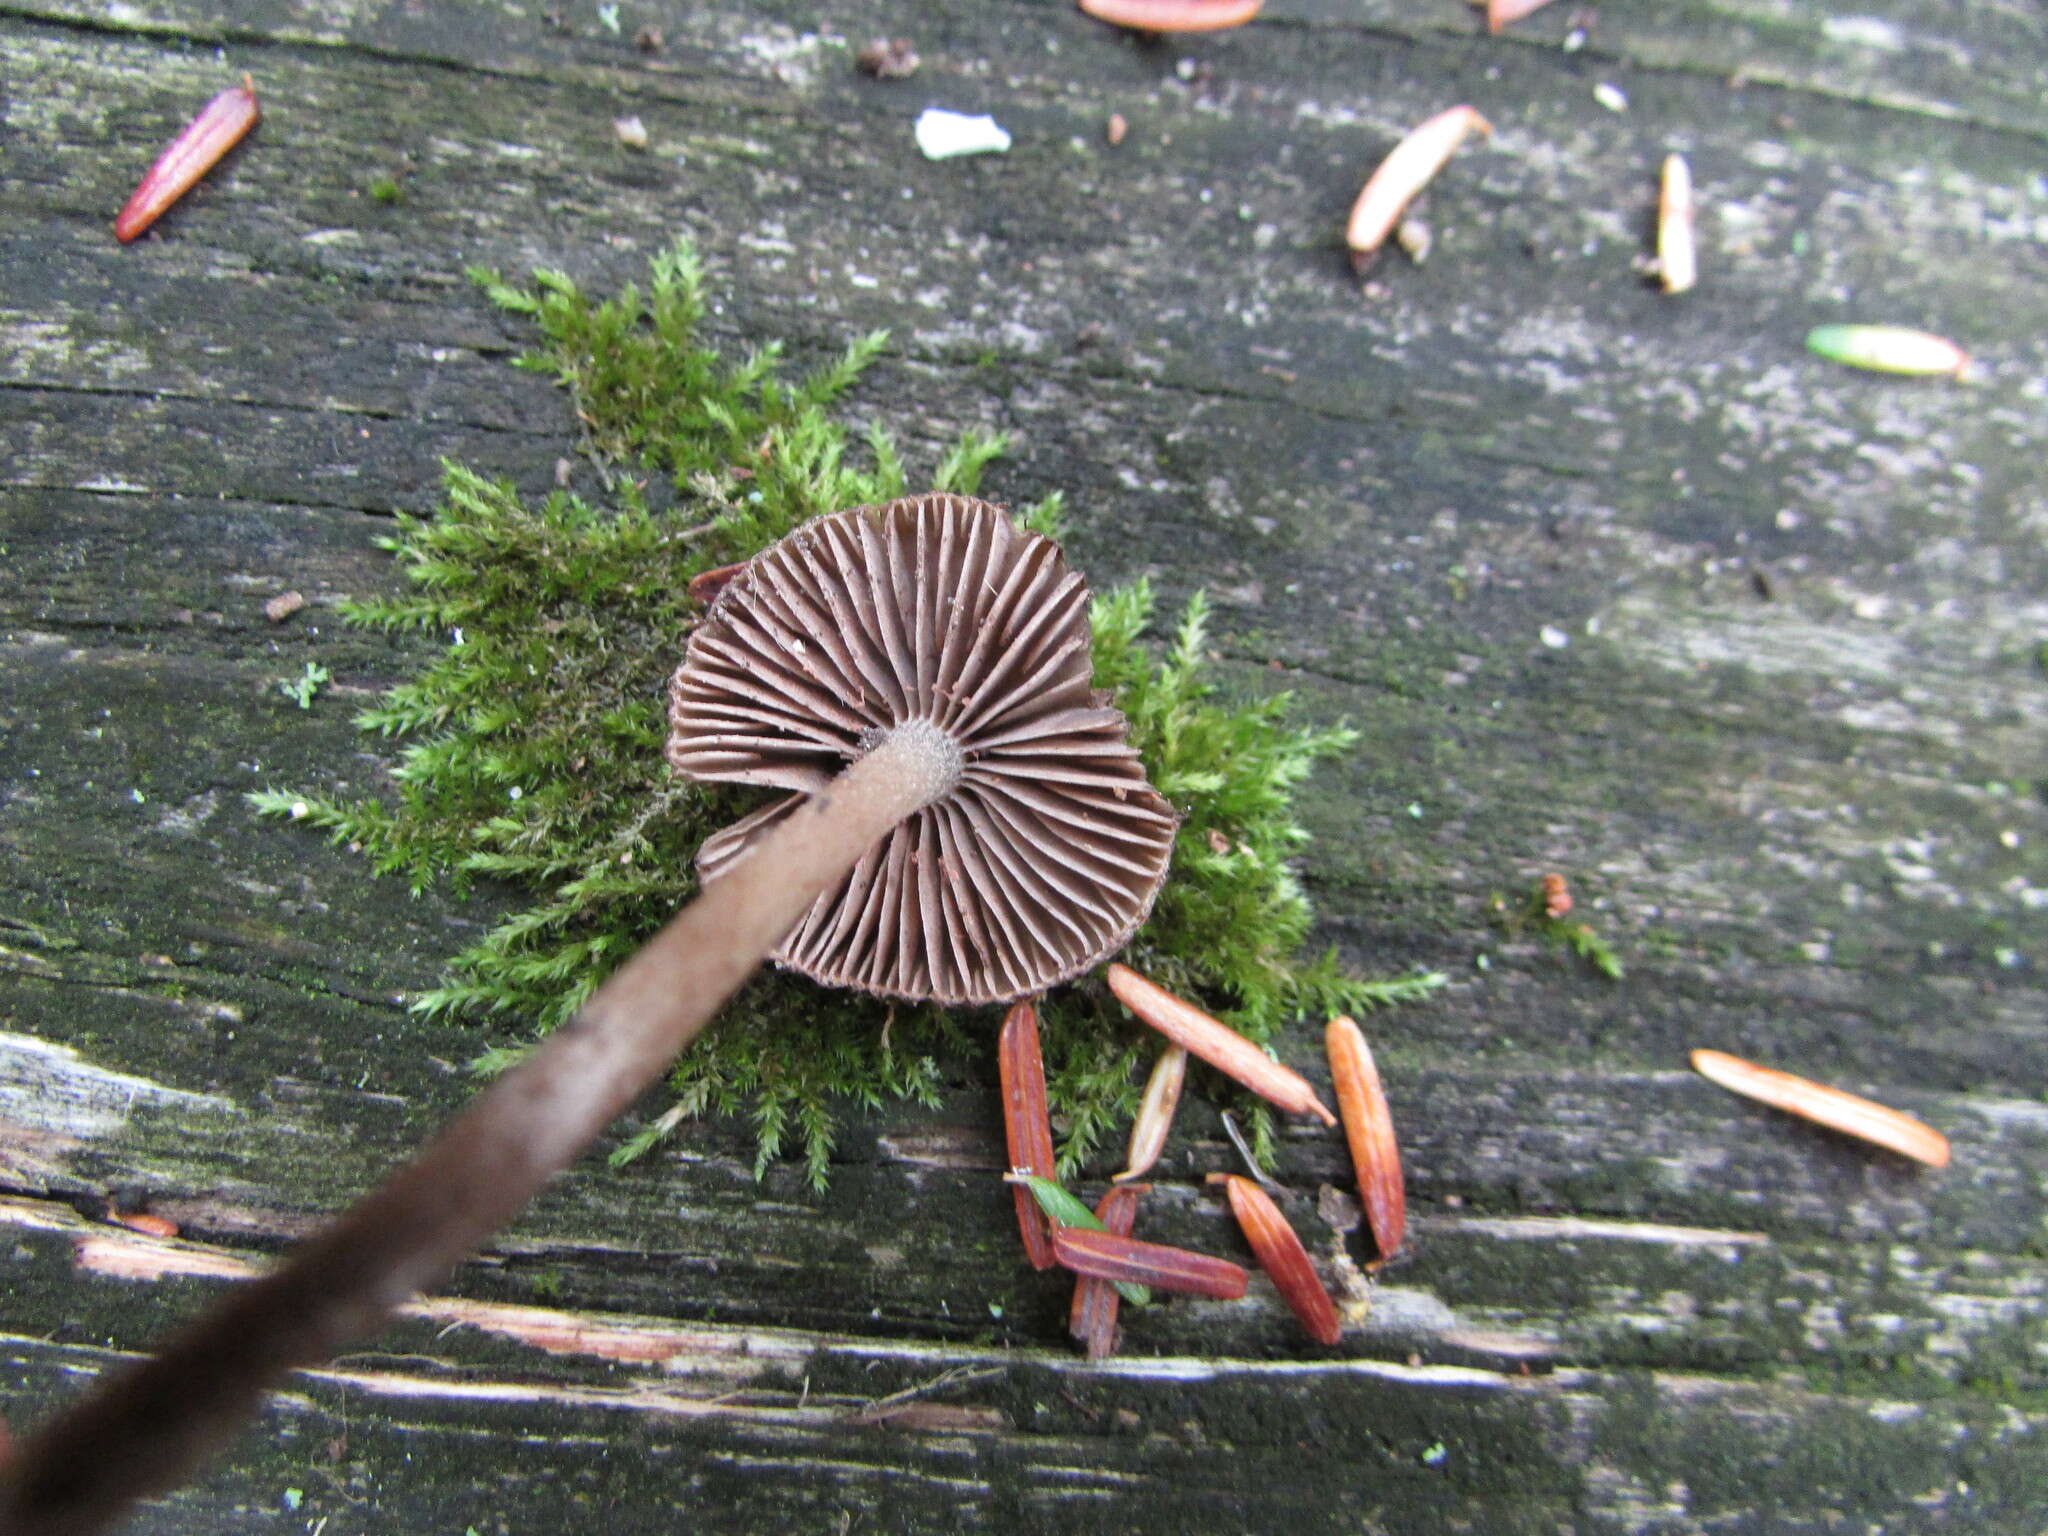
(942, 134)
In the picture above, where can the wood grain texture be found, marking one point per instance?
(1787, 754)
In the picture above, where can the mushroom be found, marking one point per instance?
(958, 642)
(966, 824)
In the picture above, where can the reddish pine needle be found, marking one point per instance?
(1282, 1256)
(1173, 15)
(1093, 1318)
(1026, 1124)
(220, 125)
(1216, 1043)
(1109, 1257)
(1369, 1130)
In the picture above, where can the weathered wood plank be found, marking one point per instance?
(1787, 750)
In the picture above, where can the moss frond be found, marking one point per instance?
(532, 741)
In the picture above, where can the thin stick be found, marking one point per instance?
(140, 1432)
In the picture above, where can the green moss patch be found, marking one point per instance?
(533, 741)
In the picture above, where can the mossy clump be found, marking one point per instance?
(535, 737)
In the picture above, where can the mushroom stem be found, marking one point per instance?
(141, 1431)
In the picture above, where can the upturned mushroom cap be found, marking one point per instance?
(933, 616)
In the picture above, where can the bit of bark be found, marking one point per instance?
(218, 128)
(1677, 265)
(1369, 1131)
(1092, 1319)
(1831, 1107)
(283, 606)
(1216, 1043)
(1173, 15)
(648, 39)
(1408, 168)
(1282, 1256)
(1155, 1112)
(1026, 1125)
(1109, 1257)
(888, 58)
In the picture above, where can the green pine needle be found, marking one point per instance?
(533, 740)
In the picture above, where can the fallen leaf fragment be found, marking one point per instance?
(1092, 1319)
(1216, 1043)
(1109, 1257)
(1831, 1107)
(1677, 266)
(1173, 15)
(218, 128)
(1282, 1256)
(1408, 168)
(1155, 1111)
(1369, 1131)
(1888, 349)
(1026, 1125)
(943, 135)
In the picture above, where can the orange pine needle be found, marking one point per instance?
(1502, 13)
(1677, 259)
(1831, 1107)
(199, 146)
(1282, 1256)
(1107, 1256)
(1216, 1043)
(1093, 1318)
(1408, 168)
(1026, 1125)
(1173, 15)
(1155, 1111)
(1369, 1130)
(145, 1222)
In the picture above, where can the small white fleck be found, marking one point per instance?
(137, 796)
(1553, 637)
(515, 793)
(2007, 957)
(1415, 809)
(301, 810)
(1788, 519)
(2009, 838)
(942, 134)
(1612, 97)
(458, 635)
(631, 131)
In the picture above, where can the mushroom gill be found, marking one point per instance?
(930, 618)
